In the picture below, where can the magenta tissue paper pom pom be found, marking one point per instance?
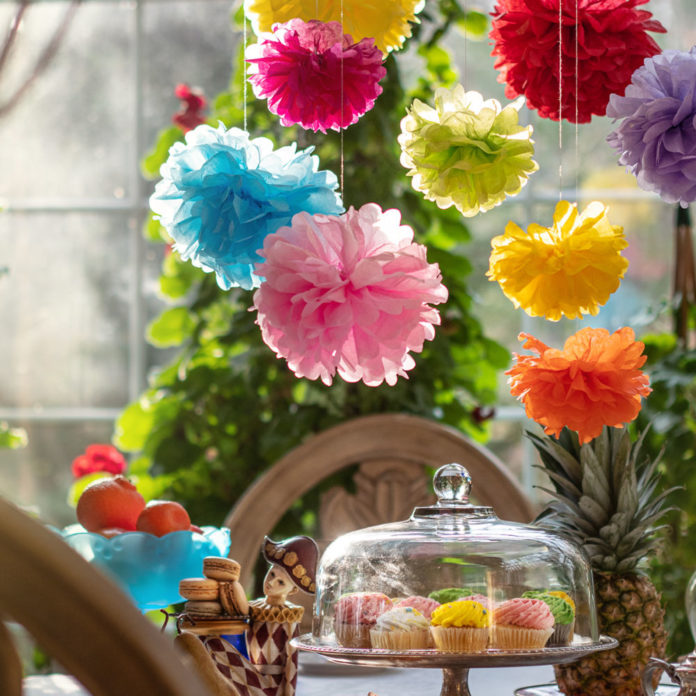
(314, 75)
(348, 294)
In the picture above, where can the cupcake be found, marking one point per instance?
(401, 628)
(480, 598)
(522, 623)
(356, 614)
(460, 626)
(450, 594)
(425, 605)
(563, 609)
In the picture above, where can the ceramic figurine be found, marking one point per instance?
(244, 648)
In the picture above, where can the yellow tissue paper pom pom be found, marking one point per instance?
(386, 21)
(466, 151)
(569, 269)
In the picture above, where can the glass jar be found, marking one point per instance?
(506, 568)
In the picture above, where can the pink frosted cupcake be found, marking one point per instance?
(424, 605)
(356, 614)
(521, 624)
(480, 598)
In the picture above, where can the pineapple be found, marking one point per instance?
(605, 497)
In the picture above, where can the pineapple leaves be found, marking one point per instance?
(605, 495)
(561, 483)
(612, 533)
(595, 480)
(593, 511)
(556, 458)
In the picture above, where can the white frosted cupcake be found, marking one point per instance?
(401, 628)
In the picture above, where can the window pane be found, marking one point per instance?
(65, 309)
(195, 43)
(39, 476)
(72, 133)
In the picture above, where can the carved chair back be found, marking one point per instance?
(395, 454)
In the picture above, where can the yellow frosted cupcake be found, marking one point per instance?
(460, 626)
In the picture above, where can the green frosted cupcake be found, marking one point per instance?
(563, 610)
(450, 594)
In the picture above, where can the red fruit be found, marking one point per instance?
(160, 517)
(109, 503)
(195, 528)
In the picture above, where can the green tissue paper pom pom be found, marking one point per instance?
(465, 151)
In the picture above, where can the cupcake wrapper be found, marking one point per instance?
(518, 638)
(562, 634)
(465, 639)
(353, 635)
(401, 640)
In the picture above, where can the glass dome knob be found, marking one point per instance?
(452, 484)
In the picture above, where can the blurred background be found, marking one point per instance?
(80, 281)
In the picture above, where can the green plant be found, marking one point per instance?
(12, 438)
(671, 410)
(225, 408)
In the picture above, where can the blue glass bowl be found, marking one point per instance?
(149, 567)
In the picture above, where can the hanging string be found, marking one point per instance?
(244, 69)
(560, 99)
(466, 12)
(577, 92)
(342, 129)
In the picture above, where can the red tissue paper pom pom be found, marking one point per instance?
(611, 39)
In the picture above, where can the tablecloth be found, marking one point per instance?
(325, 679)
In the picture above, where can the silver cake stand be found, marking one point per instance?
(455, 666)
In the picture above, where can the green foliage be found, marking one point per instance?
(12, 438)
(226, 408)
(172, 327)
(671, 408)
(474, 24)
(153, 160)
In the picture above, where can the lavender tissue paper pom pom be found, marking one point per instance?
(657, 138)
(222, 192)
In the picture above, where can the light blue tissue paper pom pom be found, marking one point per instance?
(222, 192)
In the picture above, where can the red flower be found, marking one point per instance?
(193, 102)
(612, 42)
(99, 458)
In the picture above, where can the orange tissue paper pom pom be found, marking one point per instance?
(594, 381)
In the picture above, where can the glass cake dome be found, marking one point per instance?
(457, 571)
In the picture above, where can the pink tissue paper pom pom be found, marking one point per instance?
(314, 75)
(347, 294)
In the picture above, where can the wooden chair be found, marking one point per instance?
(81, 618)
(392, 451)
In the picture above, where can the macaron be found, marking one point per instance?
(220, 568)
(231, 597)
(203, 609)
(199, 589)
